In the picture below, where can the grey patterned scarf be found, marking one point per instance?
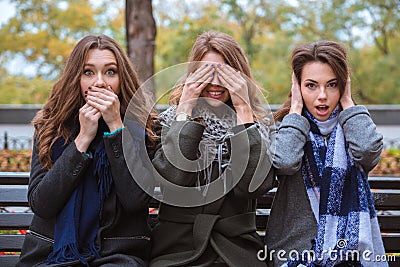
(213, 143)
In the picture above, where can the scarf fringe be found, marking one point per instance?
(103, 171)
(69, 253)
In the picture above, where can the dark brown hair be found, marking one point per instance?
(330, 52)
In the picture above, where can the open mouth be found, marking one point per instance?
(215, 94)
(322, 110)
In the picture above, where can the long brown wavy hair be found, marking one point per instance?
(233, 55)
(60, 115)
(330, 52)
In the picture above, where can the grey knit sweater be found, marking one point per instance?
(292, 224)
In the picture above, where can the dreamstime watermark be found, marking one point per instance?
(331, 255)
(178, 194)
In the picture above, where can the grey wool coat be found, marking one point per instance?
(220, 233)
(124, 233)
(292, 224)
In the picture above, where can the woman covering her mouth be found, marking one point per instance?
(88, 209)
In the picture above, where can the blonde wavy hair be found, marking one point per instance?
(59, 117)
(230, 50)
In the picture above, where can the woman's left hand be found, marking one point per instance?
(346, 100)
(107, 102)
(238, 90)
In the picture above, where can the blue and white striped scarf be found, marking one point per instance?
(340, 197)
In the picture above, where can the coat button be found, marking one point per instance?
(78, 168)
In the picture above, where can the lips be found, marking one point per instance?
(215, 94)
(322, 110)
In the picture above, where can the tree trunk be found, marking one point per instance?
(140, 38)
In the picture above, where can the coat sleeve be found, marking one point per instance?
(49, 190)
(129, 193)
(251, 156)
(365, 143)
(179, 143)
(290, 142)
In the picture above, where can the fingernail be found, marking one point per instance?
(212, 65)
(90, 87)
(86, 92)
(110, 87)
(206, 65)
(219, 65)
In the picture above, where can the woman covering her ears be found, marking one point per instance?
(323, 212)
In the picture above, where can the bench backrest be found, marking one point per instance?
(16, 215)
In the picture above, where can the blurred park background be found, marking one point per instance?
(37, 36)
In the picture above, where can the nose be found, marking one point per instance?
(100, 82)
(322, 93)
(215, 80)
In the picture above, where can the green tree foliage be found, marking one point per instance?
(177, 30)
(43, 33)
(22, 90)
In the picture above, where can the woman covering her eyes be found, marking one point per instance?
(88, 210)
(323, 212)
(214, 162)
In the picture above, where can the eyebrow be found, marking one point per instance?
(106, 65)
(311, 80)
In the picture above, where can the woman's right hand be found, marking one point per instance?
(88, 120)
(296, 104)
(194, 85)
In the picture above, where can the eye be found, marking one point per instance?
(332, 84)
(88, 72)
(311, 85)
(111, 72)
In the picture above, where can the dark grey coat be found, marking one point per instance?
(221, 231)
(124, 234)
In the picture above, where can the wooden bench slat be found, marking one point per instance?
(14, 178)
(386, 199)
(9, 242)
(15, 221)
(384, 182)
(389, 223)
(13, 196)
(391, 241)
(8, 260)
